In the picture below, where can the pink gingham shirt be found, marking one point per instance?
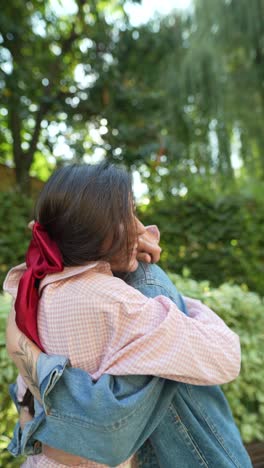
(104, 325)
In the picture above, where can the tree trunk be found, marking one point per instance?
(23, 182)
(23, 160)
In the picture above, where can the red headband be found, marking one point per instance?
(42, 257)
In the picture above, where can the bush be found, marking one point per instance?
(218, 238)
(241, 310)
(15, 213)
(8, 411)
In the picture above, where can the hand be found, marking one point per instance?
(148, 245)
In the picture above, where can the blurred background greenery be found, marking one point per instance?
(178, 99)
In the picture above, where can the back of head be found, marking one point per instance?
(88, 211)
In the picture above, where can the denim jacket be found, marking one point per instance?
(186, 425)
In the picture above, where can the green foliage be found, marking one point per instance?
(218, 238)
(50, 65)
(8, 374)
(15, 213)
(182, 104)
(242, 311)
(173, 96)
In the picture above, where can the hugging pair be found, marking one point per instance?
(117, 332)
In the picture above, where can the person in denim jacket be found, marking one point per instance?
(130, 392)
(191, 425)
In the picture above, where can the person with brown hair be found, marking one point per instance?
(69, 303)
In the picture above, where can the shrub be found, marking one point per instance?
(219, 238)
(8, 415)
(15, 213)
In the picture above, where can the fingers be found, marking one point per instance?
(144, 257)
(155, 254)
(148, 248)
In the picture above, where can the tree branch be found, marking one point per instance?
(15, 127)
(35, 137)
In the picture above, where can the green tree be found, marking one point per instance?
(174, 98)
(181, 102)
(226, 53)
(51, 62)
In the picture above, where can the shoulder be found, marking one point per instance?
(12, 279)
(92, 287)
(116, 290)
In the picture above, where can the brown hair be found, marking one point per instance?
(83, 206)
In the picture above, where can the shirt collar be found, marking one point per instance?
(69, 272)
(14, 275)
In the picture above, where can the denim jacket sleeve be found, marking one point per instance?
(50, 370)
(106, 421)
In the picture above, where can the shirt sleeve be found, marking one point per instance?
(153, 337)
